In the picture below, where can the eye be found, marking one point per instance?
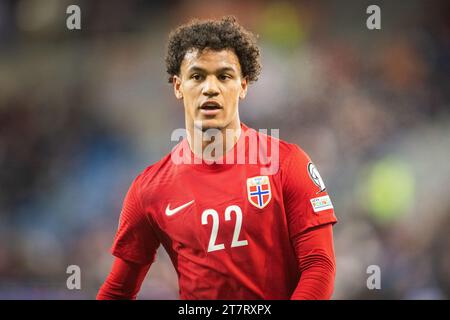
(224, 77)
(196, 76)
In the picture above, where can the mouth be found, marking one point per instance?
(210, 108)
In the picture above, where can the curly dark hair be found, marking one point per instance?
(225, 33)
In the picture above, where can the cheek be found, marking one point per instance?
(233, 95)
(190, 93)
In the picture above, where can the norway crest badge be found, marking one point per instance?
(258, 191)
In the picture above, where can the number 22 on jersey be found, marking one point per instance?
(212, 246)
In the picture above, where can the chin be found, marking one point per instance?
(210, 124)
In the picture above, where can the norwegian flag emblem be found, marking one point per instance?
(258, 191)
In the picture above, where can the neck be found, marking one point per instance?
(213, 143)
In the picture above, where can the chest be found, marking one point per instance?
(221, 211)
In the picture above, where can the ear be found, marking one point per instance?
(177, 89)
(244, 86)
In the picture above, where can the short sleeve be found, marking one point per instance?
(136, 239)
(307, 203)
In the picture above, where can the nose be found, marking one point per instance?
(210, 88)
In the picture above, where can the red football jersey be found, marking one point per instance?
(227, 228)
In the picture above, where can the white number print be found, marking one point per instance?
(215, 228)
(237, 228)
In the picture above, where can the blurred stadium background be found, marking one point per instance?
(83, 112)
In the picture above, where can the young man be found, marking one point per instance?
(231, 229)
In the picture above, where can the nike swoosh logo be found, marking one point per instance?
(173, 211)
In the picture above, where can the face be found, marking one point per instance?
(210, 84)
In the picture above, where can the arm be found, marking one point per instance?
(316, 260)
(134, 247)
(310, 216)
(124, 281)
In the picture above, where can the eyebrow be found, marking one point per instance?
(199, 69)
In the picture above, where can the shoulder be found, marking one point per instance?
(274, 153)
(287, 152)
(298, 171)
(293, 153)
